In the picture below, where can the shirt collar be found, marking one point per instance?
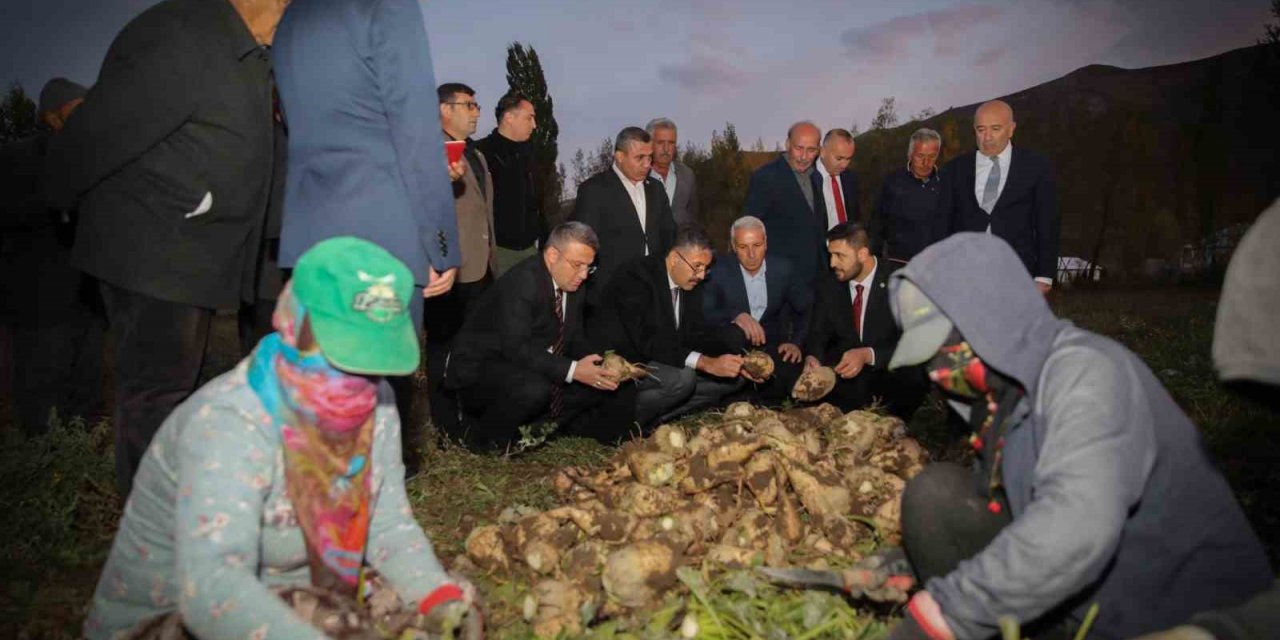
(822, 168)
(623, 177)
(671, 284)
(759, 274)
(1003, 155)
(870, 277)
(239, 40)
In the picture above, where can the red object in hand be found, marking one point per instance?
(453, 149)
(442, 594)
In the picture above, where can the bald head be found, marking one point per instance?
(993, 124)
(802, 145)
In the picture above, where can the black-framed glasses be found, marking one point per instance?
(698, 270)
(471, 106)
(579, 266)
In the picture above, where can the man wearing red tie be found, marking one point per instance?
(851, 328)
(838, 182)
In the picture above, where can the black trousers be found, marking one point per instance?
(159, 348)
(443, 317)
(506, 396)
(901, 391)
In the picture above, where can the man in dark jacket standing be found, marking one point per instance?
(908, 215)
(170, 161)
(1007, 192)
(782, 195)
(517, 211)
(1091, 486)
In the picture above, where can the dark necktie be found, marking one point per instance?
(857, 310)
(557, 390)
(675, 304)
(835, 193)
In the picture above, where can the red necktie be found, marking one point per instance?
(835, 191)
(857, 309)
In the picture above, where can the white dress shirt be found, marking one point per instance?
(564, 311)
(867, 281)
(757, 291)
(982, 170)
(636, 191)
(691, 360)
(669, 182)
(828, 197)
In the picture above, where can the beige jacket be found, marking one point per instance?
(475, 222)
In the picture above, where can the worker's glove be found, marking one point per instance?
(923, 621)
(451, 611)
(884, 576)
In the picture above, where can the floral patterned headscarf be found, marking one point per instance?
(992, 397)
(325, 418)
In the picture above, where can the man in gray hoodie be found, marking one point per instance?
(1091, 485)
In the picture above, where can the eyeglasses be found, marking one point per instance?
(697, 270)
(579, 266)
(471, 106)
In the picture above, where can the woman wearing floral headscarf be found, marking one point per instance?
(283, 473)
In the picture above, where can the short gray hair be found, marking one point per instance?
(573, 231)
(923, 134)
(746, 222)
(628, 136)
(660, 123)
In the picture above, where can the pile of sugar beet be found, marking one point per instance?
(796, 487)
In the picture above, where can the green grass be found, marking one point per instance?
(60, 509)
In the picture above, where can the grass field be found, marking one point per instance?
(59, 505)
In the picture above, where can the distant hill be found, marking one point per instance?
(1147, 160)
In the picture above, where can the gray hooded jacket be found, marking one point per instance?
(1113, 496)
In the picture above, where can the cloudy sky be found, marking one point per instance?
(758, 64)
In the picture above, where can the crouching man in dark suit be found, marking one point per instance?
(521, 355)
(765, 299)
(852, 329)
(651, 313)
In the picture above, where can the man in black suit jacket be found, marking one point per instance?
(518, 358)
(1006, 192)
(785, 195)
(836, 180)
(169, 161)
(627, 208)
(852, 329)
(652, 314)
(765, 300)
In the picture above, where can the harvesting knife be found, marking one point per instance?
(861, 582)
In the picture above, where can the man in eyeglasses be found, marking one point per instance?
(652, 313)
(473, 202)
(522, 357)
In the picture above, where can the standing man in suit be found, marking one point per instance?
(517, 212)
(627, 209)
(522, 355)
(675, 176)
(765, 299)
(1006, 192)
(366, 153)
(782, 195)
(473, 204)
(908, 216)
(838, 182)
(652, 314)
(852, 329)
(169, 161)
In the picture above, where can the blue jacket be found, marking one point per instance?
(366, 155)
(1113, 496)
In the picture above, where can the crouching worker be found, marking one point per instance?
(522, 357)
(1091, 486)
(285, 473)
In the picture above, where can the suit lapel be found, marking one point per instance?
(652, 191)
(1011, 181)
(625, 204)
(773, 288)
(879, 317)
(658, 271)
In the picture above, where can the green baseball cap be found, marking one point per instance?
(924, 327)
(357, 297)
